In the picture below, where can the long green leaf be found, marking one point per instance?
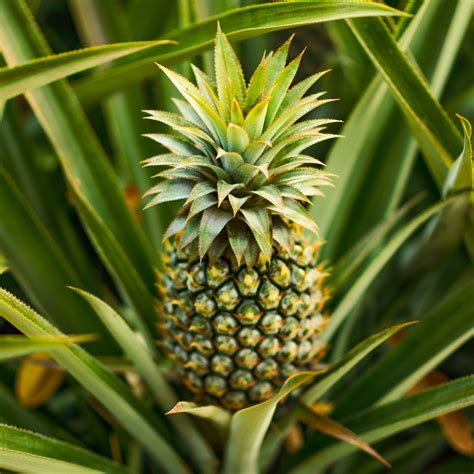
(142, 359)
(24, 451)
(440, 333)
(332, 428)
(19, 79)
(32, 254)
(99, 23)
(21, 157)
(18, 346)
(363, 160)
(134, 416)
(238, 24)
(380, 423)
(437, 136)
(84, 163)
(248, 428)
(118, 263)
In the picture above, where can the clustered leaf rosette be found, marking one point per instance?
(236, 156)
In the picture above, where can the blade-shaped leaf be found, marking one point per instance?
(380, 423)
(176, 225)
(353, 259)
(229, 76)
(200, 189)
(212, 222)
(296, 213)
(259, 223)
(230, 161)
(24, 451)
(191, 231)
(447, 229)
(220, 418)
(173, 143)
(437, 136)
(172, 190)
(18, 346)
(200, 204)
(238, 239)
(334, 429)
(271, 194)
(298, 90)
(32, 253)
(248, 428)
(124, 124)
(238, 24)
(207, 114)
(255, 119)
(280, 88)
(460, 175)
(367, 134)
(19, 79)
(120, 267)
(236, 203)
(256, 85)
(237, 138)
(276, 62)
(281, 234)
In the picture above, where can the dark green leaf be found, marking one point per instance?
(212, 222)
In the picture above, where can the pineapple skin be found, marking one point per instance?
(237, 333)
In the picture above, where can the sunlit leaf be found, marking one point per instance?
(19, 79)
(238, 24)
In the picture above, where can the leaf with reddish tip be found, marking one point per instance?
(334, 429)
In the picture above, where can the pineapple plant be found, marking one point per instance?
(242, 293)
(242, 300)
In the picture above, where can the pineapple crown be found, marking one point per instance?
(236, 156)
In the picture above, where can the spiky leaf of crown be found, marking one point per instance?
(236, 156)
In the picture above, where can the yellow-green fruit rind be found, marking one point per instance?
(237, 333)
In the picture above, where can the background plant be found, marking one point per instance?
(398, 225)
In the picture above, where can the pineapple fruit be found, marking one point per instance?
(241, 295)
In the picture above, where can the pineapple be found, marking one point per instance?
(242, 295)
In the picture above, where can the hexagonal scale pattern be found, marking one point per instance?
(236, 333)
